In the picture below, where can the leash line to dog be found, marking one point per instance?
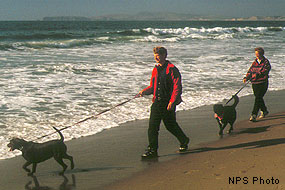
(88, 118)
(238, 91)
(120, 104)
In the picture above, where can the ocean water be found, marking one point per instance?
(58, 73)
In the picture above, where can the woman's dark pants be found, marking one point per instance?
(259, 91)
(159, 112)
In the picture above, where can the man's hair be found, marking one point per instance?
(260, 50)
(160, 50)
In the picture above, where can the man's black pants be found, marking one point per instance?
(259, 91)
(159, 112)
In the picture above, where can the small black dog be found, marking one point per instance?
(35, 153)
(225, 115)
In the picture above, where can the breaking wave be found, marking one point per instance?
(77, 39)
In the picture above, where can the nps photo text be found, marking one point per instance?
(253, 180)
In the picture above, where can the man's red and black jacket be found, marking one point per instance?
(168, 79)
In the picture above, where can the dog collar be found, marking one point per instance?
(219, 117)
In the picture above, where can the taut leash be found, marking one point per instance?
(238, 91)
(88, 118)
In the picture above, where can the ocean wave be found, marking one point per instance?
(276, 29)
(131, 32)
(190, 31)
(211, 33)
(152, 38)
(54, 44)
(73, 40)
(179, 34)
(7, 47)
(25, 36)
(40, 36)
(215, 30)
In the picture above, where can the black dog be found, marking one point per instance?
(225, 115)
(35, 153)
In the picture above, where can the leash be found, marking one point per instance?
(238, 91)
(88, 118)
(243, 86)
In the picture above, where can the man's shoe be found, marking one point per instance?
(149, 154)
(263, 114)
(252, 118)
(184, 146)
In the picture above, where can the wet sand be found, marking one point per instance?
(251, 158)
(113, 156)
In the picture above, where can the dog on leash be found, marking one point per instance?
(226, 115)
(35, 153)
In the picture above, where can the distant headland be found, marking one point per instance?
(150, 16)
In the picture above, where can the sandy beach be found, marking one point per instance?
(111, 159)
(252, 158)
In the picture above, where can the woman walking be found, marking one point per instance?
(258, 74)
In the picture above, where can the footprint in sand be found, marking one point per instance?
(217, 176)
(244, 171)
(191, 172)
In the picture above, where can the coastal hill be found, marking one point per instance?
(66, 18)
(161, 16)
(256, 18)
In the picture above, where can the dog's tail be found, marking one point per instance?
(236, 101)
(60, 134)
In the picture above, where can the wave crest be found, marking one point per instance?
(73, 40)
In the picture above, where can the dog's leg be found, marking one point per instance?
(64, 183)
(70, 158)
(27, 186)
(60, 161)
(221, 132)
(231, 128)
(34, 169)
(26, 165)
(37, 184)
(222, 127)
(73, 181)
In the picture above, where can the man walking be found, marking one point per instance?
(166, 87)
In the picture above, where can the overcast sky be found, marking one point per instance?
(37, 9)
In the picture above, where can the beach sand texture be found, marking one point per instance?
(252, 158)
(111, 159)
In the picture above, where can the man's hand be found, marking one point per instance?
(170, 106)
(139, 94)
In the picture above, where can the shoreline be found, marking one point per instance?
(114, 154)
(146, 119)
